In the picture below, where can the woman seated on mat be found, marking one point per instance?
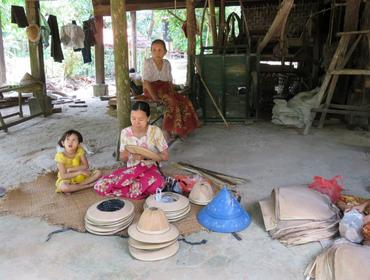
(180, 117)
(73, 167)
(141, 177)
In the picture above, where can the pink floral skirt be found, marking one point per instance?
(134, 182)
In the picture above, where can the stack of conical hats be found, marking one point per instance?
(153, 238)
(174, 205)
(201, 193)
(297, 215)
(224, 214)
(109, 216)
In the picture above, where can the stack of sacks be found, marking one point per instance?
(201, 193)
(152, 238)
(297, 215)
(175, 206)
(342, 261)
(109, 217)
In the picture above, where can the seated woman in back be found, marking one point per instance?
(180, 117)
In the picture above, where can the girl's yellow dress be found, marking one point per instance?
(60, 157)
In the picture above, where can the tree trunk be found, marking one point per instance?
(2, 57)
(119, 25)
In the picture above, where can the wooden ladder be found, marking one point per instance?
(336, 68)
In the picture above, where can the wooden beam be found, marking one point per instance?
(277, 24)
(363, 72)
(119, 25)
(104, 10)
(99, 51)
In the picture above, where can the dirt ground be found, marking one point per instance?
(266, 154)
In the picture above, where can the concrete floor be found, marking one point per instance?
(266, 154)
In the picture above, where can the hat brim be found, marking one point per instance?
(181, 202)
(223, 225)
(169, 235)
(94, 214)
(149, 246)
(154, 255)
(102, 229)
(142, 151)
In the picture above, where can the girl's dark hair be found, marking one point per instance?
(141, 105)
(159, 41)
(69, 133)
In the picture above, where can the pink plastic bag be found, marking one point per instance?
(329, 187)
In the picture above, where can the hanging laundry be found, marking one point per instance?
(45, 31)
(89, 31)
(56, 48)
(18, 16)
(72, 36)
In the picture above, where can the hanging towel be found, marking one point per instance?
(56, 48)
(72, 36)
(45, 31)
(18, 16)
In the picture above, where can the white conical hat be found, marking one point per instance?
(201, 193)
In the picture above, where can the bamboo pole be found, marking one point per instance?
(119, 24)
(211, 5)
(133, 40)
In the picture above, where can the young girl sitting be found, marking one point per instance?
(141, 177)
(73, 168)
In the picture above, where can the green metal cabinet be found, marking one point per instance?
(229, 79)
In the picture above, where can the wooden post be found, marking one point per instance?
(221, 25)
(133, 40)
(99, 51)
(119, 25)
(191, 30)
(2, 58)
(36, 51)
(212, 21)
(99, 88)
(37, 56)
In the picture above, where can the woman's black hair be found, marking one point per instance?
(159, 41)
(141, 105)
(69, 133)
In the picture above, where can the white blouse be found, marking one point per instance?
(151, 73)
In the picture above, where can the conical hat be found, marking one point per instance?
(153, 221)
(201, 193)
(224, 214)
(154, 255)
(27, 79)
(153, 227)
(33, 32)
